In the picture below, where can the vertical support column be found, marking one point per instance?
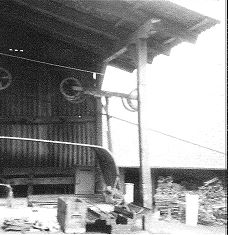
(109, 135)
(122, 180)
(30, 186)
(99, 78)
(145, 174)
(99, 137)
(99, 181)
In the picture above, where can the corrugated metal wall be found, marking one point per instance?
(16, 153)
(33, 107)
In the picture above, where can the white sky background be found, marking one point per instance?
(186, 91)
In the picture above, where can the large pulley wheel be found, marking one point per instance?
(72, 90)
(131, 103)
(5, 78)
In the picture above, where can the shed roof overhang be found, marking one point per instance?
(110, 29)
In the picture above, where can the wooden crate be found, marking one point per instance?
(71, 214)
(123, 228)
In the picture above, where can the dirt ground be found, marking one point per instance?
(46, 215)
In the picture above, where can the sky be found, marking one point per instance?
(186, 93)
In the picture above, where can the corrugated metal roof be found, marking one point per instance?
(107, 27)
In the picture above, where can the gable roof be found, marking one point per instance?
(109, 29)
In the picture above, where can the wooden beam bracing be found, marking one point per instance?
(116, 54)
(144, 31)
(155, 46)
(150, 28)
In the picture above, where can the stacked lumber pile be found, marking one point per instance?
(26, 225)
(22, 225)
(168, 198)
(170, 201)
(212, 209)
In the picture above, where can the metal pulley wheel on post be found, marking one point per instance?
(72, 90)
(5, 78)
(130, 103)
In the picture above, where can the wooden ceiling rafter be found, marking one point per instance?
(118, 9)
(67, 15)
(110, 28)
(67, 33)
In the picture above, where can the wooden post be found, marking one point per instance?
(99, 139)
(109, 135)
(122, 180)
(99, 182)
(30, 186)
(145, 172)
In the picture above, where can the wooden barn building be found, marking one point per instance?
(42, 44)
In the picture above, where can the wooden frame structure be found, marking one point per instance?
(125, 34)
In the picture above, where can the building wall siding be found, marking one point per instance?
(33, 107)
(17, 153)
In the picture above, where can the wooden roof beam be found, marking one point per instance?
(145, 31)
(124, 12)
(131, 54)
(116, 54)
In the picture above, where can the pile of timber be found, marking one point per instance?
(168, 197)
(170, 200)
(25, 225)
(212, 206)
(21, 225)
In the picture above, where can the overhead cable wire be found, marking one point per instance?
(50, 64)
(88, 71)
(168, 135)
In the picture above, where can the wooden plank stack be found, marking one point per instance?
(212, 209)
(24, 225)
(170, 201)
(168, 197)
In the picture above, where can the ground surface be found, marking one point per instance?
(47, 217)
